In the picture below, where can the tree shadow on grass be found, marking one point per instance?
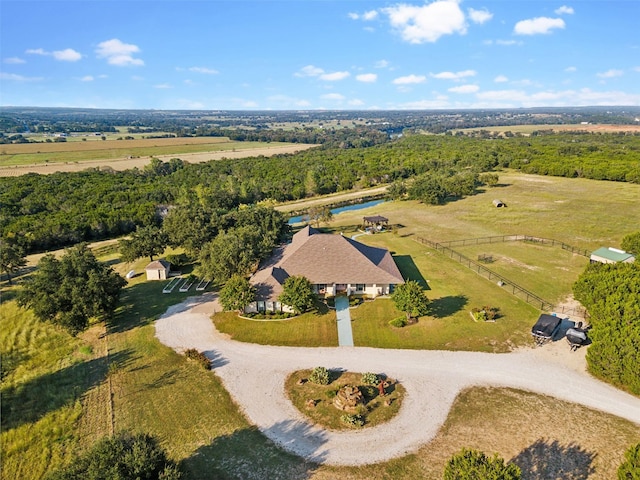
(545, 460)
(409, 270)
(144, 302)
(447, 306)
(28, 402)
(247, 453)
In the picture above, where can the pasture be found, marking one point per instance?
(18, 159)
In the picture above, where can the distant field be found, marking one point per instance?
(527, 129)
(19, 159)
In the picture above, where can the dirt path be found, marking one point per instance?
(432, 379)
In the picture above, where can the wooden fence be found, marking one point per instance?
(515, 289)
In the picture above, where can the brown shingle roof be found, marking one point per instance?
(158, 265)
(327, 258)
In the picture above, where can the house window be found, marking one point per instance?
(360, 287)
(270, 306)
(261, 306)
(322, 288)
(278, 306)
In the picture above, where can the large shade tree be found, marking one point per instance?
(631, 243)
(297, 292)
(70, 291)
(630, 468)
(237, 293)
(409, 297)
(611, 294)
(144, 242)
(12, 258)
(121, 457)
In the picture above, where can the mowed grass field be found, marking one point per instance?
(56, 389)
(56, 152)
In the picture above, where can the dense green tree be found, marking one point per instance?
(631, 243)
(12, 258)
(144, 242)
(237, 293)
(409, 297)
(611, 294)
(233, 252)
(121, 457)
(297, 293)
(630, 468)
(70, 291)
(475, 465)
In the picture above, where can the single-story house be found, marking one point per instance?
(334, 264)
(158, 270)
(611, 255)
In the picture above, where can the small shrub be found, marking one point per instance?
(331, 393)
(199, 357)
(398, 322)
(369, 378)
(353, 420)
(320, 376)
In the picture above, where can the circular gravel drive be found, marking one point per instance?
(255, 374)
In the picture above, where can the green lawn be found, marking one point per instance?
(309, 330)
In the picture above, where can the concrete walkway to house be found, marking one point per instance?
(345, 334)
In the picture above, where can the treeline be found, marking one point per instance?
(51, 211)
(611, 293)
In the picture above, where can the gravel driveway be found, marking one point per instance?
(254, 375)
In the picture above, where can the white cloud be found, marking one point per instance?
(381, 64)
(479, 16)
(610, 73)
(582, 97)
(564, 10)
(162, 86)
(14, 60)
(67, 55)
(208, 71)
(366, 16)
(410, 79)
(87, 78)
(636, 69)
(570, 69)
(18, 78)
(453, 75)
(356, 102)
(500, 79)
(464, 89)
(334, 77)
(508, 43)
(118, 53)
(333, 96)
(538, 25)
(367, 77)
(309, 71)
(427, 23)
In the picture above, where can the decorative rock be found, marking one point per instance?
(302, 381)
(311, 403)
(348, 398)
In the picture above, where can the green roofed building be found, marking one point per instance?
(611, 255)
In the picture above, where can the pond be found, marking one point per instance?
(338, 210)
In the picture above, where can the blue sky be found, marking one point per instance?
(319, 54)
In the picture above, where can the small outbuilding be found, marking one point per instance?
(158, 270)
(499, 203)
(611, 255)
